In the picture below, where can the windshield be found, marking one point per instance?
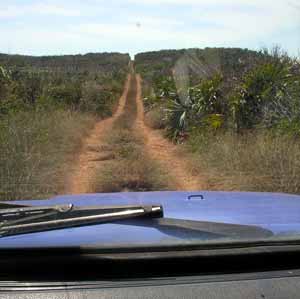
(105, 104)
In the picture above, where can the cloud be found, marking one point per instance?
(155, 34)
(11, 11)
(210, 2)
(59, 10)
(199, 2)
(198, 27)
(155, 21)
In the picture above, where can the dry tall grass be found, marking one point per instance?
(253, 162)
(155, 119)
(35, 151)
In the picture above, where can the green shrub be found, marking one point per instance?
(204, 107)
(248, 90)
(68, 93)
(292, 128)
(269, 94)
(96, 99)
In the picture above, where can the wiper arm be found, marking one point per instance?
(22, 220)
(17, 219)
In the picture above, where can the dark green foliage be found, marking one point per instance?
(68, 93)
(268, 94)
(207, 97)
(204, 107)
(223, 88)
(28, 87)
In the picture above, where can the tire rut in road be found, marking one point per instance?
(132, 169)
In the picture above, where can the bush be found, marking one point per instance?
(204, 107)
(269, 94)
(155, 118)
(68, 94)
(257, 90)
(95, 99)
(287, 127)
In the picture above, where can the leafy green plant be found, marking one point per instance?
(268, 94)
(204, 107)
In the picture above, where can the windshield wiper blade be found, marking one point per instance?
(22, 220)
(188, 229)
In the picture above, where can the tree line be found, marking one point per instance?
(84, 82)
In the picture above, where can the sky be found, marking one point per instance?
(53, 27)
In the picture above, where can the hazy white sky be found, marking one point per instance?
(73, 26)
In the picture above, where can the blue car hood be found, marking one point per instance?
(279, 213)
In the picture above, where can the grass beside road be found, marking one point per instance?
(258, 161)
(36, 150)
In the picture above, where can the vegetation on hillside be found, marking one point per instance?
(90, 82)
(236, 112)
(264, 92)
(47, 104)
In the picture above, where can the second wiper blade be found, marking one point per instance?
(24, 220)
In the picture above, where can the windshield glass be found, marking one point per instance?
(105, 104)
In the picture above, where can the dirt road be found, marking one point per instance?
(94, 154)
